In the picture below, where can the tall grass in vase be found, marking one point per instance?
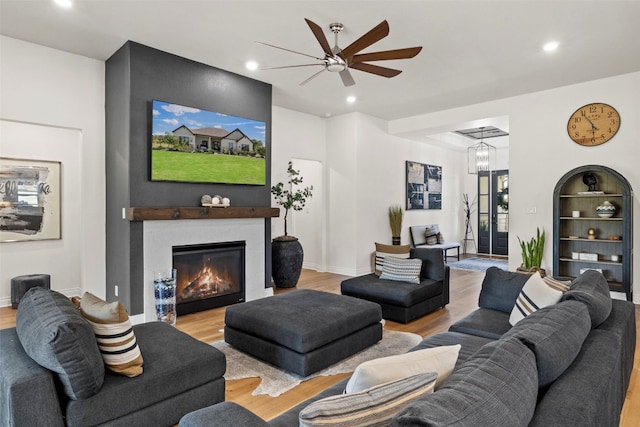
(395, 222)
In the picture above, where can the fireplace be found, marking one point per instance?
(209, 275)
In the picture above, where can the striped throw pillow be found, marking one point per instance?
(402, 270)
(114, 334)
(374, 406)
(535, 294)
(431, 234)
(382, 251)
(560, 285)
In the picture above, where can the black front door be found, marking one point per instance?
(493, 212)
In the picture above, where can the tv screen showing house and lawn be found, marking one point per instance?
(194, 145)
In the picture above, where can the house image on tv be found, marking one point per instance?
(214, 139)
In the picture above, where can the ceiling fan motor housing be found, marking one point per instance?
(335, 64)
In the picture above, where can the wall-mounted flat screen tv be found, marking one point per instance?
(194, 145)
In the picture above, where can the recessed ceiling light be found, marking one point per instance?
(251, 65)
(351, 99)
(550, 46)
(63, 3)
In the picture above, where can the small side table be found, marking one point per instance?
(21, 284)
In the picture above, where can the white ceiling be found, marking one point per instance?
(473, 51)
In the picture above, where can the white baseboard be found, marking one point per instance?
(71, 292)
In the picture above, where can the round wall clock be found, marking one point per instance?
(593, 124)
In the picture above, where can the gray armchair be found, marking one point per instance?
(401, 301)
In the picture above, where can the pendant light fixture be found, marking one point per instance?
(481, 157)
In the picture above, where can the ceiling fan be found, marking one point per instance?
(338, 60)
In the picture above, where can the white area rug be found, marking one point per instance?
(481, 264)
(275, 381)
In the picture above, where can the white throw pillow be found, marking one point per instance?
(535, 295)
(440, 360)
(401, 270)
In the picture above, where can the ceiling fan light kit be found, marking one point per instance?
(337, 60)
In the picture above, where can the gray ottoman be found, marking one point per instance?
(303, 331)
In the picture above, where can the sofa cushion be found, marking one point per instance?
(373, 406)
(382, 251)
(483, 322)
(57, 337)
(500, 289)
(222, 414)
(114, 334)
(497, 386)
(175, 365)
(590, 392)
(403, 294)
(433, 266)
(592, 289)
(401, 270)
(534, 295)
(555, 335)
(440, 360)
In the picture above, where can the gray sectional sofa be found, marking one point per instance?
(181, 374)
(566, 364)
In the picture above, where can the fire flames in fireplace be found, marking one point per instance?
(207, 283)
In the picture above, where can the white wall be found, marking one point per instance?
(309, 224)
(58, 92)
(300, 138)
(541, 152)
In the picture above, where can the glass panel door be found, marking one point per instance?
(484, 213)
(493, 212)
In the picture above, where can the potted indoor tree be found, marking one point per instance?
(286, 250)
(395, 222)
(532, 252)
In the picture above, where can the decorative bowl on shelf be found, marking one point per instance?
(606, 209)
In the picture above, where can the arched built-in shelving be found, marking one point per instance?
(573, 250)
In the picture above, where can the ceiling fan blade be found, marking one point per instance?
(291, 66)
(317, 31)
(292, 51)
(346, 77)
(385, 55)
(312, 77)
(377, 33)
(375, 69)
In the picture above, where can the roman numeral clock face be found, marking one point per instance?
(593, 124)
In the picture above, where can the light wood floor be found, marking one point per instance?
(465, 287)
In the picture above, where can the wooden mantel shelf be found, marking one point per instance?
(172, 213)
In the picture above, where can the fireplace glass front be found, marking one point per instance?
(209, 275)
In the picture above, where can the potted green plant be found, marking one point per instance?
(395, 222)
(286, 250)
(532, 252)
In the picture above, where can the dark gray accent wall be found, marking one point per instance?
(135, 76)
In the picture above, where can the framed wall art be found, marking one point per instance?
(424, 186)
(29, 200)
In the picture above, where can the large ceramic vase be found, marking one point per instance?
(286, 261)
